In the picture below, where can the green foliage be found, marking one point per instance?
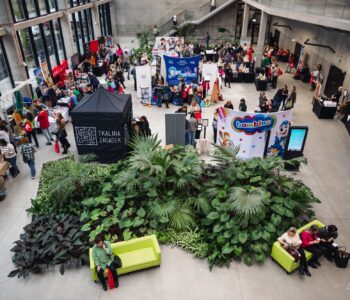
(231, 210)
(49, 241)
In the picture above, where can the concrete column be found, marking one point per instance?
(245, 20)
(96, 20)
(261, 40)
(66, 29)
(12, 46)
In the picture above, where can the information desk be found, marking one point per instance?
(323, 112)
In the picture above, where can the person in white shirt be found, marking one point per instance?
(291, 242)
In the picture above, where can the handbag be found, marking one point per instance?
(110, 279)
(117, 261)
(57, 147)
(341, 257)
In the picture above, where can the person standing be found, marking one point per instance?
(174, 19)
(155, 31)
(27, 151)
(212, 5)
(207, 39)
(29, 128)
(10, 155)
(274, 75)
(103, 257)
(44, 124)
(192, 128)
(61, 133)
(215, 125)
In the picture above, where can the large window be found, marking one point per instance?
(82, 29)
(59, 40)
(28, 9)
(78, 2)
(6, 80)
(105, 19)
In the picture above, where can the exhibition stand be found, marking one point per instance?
(102, 124)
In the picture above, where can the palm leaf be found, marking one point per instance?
(247, 202)
(225, 154)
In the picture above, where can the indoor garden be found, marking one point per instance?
(228, 210)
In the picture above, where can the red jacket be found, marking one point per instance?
(43, 119)
(306, 237)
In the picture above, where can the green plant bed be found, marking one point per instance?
(231, 210)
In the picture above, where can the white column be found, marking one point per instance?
(66, 29)
(245, 21)
(261, 39)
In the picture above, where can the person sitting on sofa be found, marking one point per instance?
(291, 242)
(327, 235)
(311, 243)
(103, 258)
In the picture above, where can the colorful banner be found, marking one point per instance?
(249, 131)
(46, 73)
(168, 45)
(61, 68)
(177, 68)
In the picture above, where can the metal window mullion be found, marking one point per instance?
(76, 33)
(81, 29)
(62, 39)
(91, 24)
(87, 25)
(109, 22)
(53, 37)
(34, 51)
(47, 54)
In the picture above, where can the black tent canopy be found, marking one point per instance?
(102, 123)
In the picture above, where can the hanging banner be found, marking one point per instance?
(249, 131)
(46, 73)
(143, 81)
(61, 68)
(186, 67)
(210, 73)
(168, 45)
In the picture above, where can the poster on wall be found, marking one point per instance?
(302, 57)
(168, 45)
(143, 80)
(249, 131)
(210, 70)
(176, 68)
(46, 73)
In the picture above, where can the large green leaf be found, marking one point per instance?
(227, 249)
(213, 215)
(243, 237)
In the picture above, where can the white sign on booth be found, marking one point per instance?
(210, 70)
(249, 132)
(143, 79)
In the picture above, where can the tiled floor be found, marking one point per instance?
(181, 276)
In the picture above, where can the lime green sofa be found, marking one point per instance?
(135, 254)
(281, 256)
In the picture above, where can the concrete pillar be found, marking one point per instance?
(261, 39)
(66, 29)
(96, 20)
(12, 46)
(245, 20)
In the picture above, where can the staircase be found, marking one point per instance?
(186, 17)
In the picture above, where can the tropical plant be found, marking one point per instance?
(49, 241)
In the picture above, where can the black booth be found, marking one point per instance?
(102, 124)
(323, 112)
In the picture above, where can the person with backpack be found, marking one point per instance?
(29, 128)
(27, 151)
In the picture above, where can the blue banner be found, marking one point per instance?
(177, 68)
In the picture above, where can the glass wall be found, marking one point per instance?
(6, 80)
(28, 9)
(105, 19)
(82, 29)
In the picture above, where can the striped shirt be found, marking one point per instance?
(8, 151)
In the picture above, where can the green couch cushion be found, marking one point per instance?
(138, 257)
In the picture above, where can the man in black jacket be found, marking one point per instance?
(327, 235)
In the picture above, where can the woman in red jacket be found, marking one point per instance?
(311, 243)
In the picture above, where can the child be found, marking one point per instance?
(242, 105)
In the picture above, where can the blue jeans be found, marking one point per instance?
(47, 134)
(13, 162)
(191, 138)
(31, 164)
